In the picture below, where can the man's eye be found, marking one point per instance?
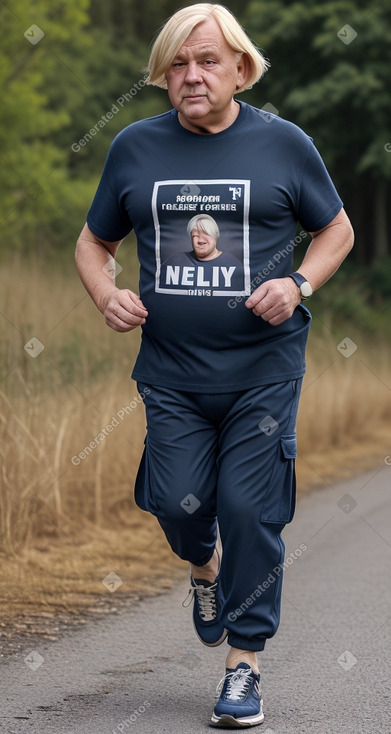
(209, 62)
(178, 63)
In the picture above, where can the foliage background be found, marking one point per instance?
(93, 52)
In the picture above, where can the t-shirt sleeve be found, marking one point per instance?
(318, 202)
(107, 217)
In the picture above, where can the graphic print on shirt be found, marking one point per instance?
(202, 237)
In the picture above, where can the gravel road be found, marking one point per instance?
(327, 671)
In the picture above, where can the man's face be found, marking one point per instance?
(204, 245)
(203, 76)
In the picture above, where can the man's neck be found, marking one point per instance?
(211, 127)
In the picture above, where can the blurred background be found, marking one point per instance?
(72, 76)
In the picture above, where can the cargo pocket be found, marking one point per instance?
(280, 497)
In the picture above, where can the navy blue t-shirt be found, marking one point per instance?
(257, 179)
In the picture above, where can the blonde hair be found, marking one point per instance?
(175, 31)
(204, 223)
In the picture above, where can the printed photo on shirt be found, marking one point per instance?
(202, 237)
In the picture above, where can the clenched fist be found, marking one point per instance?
(124, 310)
(275, 300)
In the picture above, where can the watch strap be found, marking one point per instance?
(298, 278)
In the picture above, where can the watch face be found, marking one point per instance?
(306, 290)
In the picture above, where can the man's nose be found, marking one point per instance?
(193, 73)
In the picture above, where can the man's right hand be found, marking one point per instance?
(124, 310)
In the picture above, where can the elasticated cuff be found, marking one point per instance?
(204, 559)
(243, 643)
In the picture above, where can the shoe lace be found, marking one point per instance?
(206, 597)
(238, 684)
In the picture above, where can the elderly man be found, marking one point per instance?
(224, 373)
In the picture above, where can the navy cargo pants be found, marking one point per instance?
(226, 458)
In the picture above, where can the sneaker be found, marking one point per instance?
(206, 610)
(239, 699)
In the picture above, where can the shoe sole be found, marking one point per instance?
(212, 644)
(229, 722)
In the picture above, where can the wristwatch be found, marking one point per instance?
(303, 285)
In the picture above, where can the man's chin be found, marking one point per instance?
(194, 110)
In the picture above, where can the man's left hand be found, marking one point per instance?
(275, 300)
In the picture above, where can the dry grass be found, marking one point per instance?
(345, 411)
(65, 526)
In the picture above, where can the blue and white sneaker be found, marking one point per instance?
(206, 610)
(239, 699)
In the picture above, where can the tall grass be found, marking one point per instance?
(53, 406)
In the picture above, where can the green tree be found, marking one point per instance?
(37, 42)
(330, 74)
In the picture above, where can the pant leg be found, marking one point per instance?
(177, 477)
(255, 499)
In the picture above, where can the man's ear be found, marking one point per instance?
(243, 72)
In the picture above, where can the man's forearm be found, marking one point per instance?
(94, 264)
(327, 251)
(123, 310)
